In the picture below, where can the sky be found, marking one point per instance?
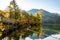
(49, 5)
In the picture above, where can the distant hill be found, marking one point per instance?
(46, 15)
(33, 11)
(49, 20)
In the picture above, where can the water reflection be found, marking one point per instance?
(34, 37)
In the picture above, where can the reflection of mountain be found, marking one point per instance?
(49, 20)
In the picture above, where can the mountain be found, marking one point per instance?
(33, 11)
(49, 20)
(46, 15)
